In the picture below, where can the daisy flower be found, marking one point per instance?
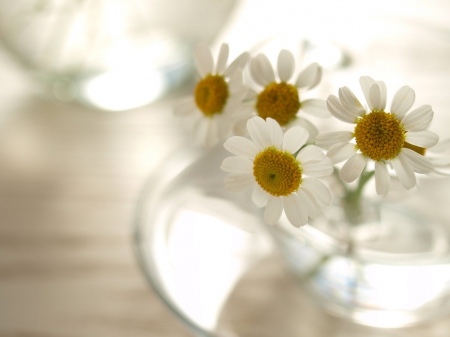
(279, 98)
(276, 166)
(380, 136)
(218, 94)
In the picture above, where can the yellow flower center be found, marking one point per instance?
(418, 149)
(211, 94)
(277, 172)
(379, 135)
(279, 101)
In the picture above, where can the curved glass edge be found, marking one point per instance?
(182, 159)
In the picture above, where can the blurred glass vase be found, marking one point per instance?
(390, 269)
(113, 55)
(195, 239)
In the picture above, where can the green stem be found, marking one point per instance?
(365, 177)
(315, 269)
(352, 200)
(338, 178)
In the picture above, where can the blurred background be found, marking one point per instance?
(86, 94)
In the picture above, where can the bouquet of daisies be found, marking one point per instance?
(280, 155)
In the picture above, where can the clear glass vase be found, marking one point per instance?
(113, 55)
(390, 269)
(195, 241)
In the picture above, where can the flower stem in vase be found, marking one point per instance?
(352, 201)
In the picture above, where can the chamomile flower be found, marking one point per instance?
(281, 171)
(380, 136)
(279, 98)
(218, 94)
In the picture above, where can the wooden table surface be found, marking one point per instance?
(69, 180)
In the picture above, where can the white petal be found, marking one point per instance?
(259, 196)
(318, 189)
(239, 62)
(350, 102)
(265, 68)
(419, 163)
(375, 96)
(241, 91)
(294, 139)
(233, 110)
(275, 132)
(241, 146)
(366, 83)
(422, 138)
(223, 58)
(317, 80)
(234, 107)
(405, 172)
(310, 153)
(327, 139)
(240, 128)
(244, 112)
(383, 95)
(309, 77)
(203, 60)
(237, 164)
(315, 107)
(212, 135)
(310, 203)
(238, 182)
(337, 110)
(257, 129)
(403, 101)
(295, 210)
(200, 133)
(306, 124)
(184, 105)
(236, 115)
(353, 167)
(223, 125)
(442, 147)
(273, 210)
(189, 121)
(256, 73)
(382, 178)
(238, 96)
(234, 102)
(251, 94)
(341, 151)
(318, 169)
(441, 163)
(236, 80)
(285, 65)
(419, 118)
